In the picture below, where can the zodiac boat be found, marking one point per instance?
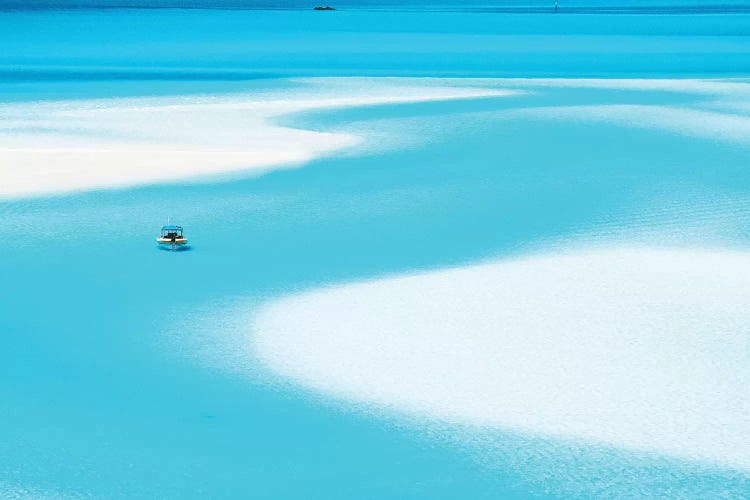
(171, 235)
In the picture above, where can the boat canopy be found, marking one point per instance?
(171, 229)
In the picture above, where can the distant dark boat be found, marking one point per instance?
(326, 7)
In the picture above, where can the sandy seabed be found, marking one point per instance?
(644, 349)
(49, 147)
(63, 146)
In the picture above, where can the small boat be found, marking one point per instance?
(171, 235)
(324, 7)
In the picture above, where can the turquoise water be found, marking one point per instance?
(566, 6)
(117, 377)
(188, 44)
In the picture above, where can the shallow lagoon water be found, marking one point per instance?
(127, 371)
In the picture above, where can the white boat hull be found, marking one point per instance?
(168, 241)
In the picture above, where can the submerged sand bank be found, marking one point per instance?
(52, 147)
(636, 348)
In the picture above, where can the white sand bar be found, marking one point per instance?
(54, 147)
(637, 348)
(51, 147)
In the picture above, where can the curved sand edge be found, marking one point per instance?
(636, 348)
(54, 147)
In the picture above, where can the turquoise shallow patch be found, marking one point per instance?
(107, 387)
